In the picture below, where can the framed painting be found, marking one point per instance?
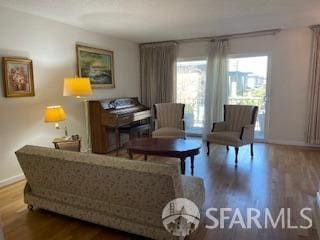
(18, 77)
(96, 64)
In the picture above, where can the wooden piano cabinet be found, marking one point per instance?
(109, 118)
(98, 132)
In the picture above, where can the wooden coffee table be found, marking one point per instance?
(177, 148)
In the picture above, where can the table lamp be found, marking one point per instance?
(54, 114)
(77, 87)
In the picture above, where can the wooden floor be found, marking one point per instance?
(277, 177)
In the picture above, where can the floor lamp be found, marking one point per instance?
(79, 88)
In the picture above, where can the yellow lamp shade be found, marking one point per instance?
(54, 114)
(77, 87)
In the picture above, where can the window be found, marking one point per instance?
(247, 81)
(191, 80)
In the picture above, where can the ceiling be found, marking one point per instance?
(158, 20)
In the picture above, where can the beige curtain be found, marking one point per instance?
(216, 84)
(313, 114)
(158, 64)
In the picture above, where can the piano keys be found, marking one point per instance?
(110, 117)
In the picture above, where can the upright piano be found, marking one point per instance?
(110, 117)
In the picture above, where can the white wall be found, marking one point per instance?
(288, 79)
(51, 46)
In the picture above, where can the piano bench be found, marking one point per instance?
(136, 130)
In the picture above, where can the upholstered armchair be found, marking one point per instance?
(168, 122)
(236, 130)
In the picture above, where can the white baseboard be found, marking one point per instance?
(11, 180)
(292, 143)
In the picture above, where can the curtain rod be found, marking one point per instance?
(163, 43)
(221, 37)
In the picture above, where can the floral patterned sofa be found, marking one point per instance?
(123, 194)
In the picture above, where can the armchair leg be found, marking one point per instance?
(236, 151)
(208, 148)
(227, 148)
(251, 149)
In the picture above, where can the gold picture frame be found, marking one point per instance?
(18, 77)
(97, 65)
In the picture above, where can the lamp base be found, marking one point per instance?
(65, 131)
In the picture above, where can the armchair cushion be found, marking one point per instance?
(168, 132)
(225, 138)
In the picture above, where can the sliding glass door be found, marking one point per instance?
(247, 81)
(247, 85)
(190, 90)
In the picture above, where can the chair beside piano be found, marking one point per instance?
(111, 117)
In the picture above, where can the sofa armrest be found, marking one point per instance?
(247, 133)
(218, 126)
(193, 189)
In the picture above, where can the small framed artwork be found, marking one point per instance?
(96, 64)
(18, 77)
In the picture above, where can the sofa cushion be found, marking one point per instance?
(168, 132)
